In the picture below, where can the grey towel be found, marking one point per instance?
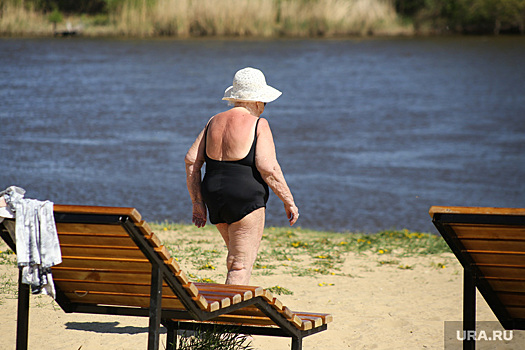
(37, 245)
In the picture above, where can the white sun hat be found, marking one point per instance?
(249, 84)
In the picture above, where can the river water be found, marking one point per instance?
(369, 133)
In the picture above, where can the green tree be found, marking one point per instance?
(55, 17)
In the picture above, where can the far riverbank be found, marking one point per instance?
(259, 18)
(203, 18)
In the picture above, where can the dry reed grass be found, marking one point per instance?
(19, 20)
(256, 18)
(336, 17)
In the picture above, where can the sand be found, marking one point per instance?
(375, 306)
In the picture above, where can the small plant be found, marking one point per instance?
(439, 265)
(405, 267)
(280, 290)
(388, 262)
(214, 339)
(324, 284)
(7, 257)
(207, 266)
(8, 286)
(205, 280)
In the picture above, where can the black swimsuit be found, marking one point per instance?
(233, 189)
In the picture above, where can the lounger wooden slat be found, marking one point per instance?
(100, 240)
(506, 285)
(509, 271)
(103, 275)
(239, 321)
(223, 301)
(112, 263)
(316, 321)
(144, 228)
(494, 245)
(326, 318)
(319, 318)
(114, 287)
(237, 294)
(92, 229)
(490, 245)
(248, 320)
(493, 211)
(132, 213)
(517, 312)
(234, 298)
(121, 299)
(306, 324)
(153, 240)
(497, 258)
(95, 251)
(247, 291)
(512, 298)
(492, 232)
(249, 311)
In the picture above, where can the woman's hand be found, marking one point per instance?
(292, 213)
(199, 214)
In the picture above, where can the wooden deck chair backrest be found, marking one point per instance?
(490, 245)
(112, 263)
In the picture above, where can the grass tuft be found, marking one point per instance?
(213, 339)
(280, 290)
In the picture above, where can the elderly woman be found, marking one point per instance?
(237, 147)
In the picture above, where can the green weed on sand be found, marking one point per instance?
(296, 251)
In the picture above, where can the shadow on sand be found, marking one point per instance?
(107, 327)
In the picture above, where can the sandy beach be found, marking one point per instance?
(376, 304)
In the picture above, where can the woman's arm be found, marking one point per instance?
(267, 164)
(194, 161)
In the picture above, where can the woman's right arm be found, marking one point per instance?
(194, 161)
(267, 164)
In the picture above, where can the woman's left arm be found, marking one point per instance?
(267, 164)
(194, 161)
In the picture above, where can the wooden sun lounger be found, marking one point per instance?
(112, 263)
(490, 245)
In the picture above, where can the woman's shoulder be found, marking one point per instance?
(263, 124)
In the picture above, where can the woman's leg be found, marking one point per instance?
(223, 229)
(244, 237)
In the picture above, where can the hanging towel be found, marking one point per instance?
(37, 245)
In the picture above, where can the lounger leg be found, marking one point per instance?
(171, 338)
(155, 308)
(22, 322)
(469, 310)
(297, 343)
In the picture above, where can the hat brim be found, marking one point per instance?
(268, 94)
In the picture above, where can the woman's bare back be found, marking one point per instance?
(230, 134)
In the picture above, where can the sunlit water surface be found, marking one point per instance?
(369, 133)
